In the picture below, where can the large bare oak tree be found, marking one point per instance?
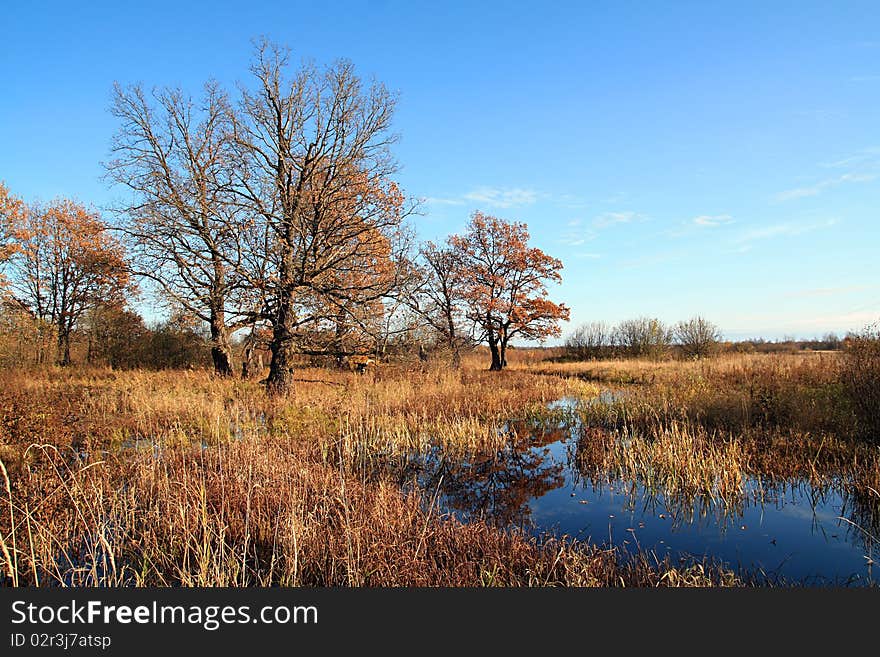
(316, 178)
(183, 222)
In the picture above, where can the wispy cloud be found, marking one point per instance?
(865, 157)
(570, 201)
(589, 256)
(579, 232)
(617, 197)
(502, 197)
(712, 220)
(865, 78)
(611, 218)
(697, 224)
(822, 185)
(828, 291)
(488, 197)
(854, 320)
(432, 200)
(778, 230)
(575, 238)
(851, 320)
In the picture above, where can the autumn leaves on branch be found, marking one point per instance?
(277, 213)
(493, 282)
(63, 262)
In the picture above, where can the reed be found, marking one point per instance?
(179, 478)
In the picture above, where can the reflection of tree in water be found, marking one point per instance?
(495, 486)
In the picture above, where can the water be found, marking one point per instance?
(792, 532)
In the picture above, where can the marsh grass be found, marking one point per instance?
(721, 433)
(239, 489)
(256, 513)
(179, 478)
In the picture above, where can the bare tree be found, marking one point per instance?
(316, 178)
(592, 340)
(183, 224)
(439, 297)
(643, 337)
(697, 337)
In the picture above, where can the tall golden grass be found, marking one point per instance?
(179, 478)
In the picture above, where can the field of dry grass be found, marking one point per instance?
(180, 478)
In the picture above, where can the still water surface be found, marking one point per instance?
(792, 532)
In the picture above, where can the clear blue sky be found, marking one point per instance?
(680, 158)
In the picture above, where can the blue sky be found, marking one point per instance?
(680, 158)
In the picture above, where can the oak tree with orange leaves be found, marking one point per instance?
(504, 284)
(315, 178)
(12, 210)
(64, 263)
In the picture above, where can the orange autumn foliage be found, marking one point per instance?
(504, 284)
(64, 263)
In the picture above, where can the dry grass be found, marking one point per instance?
(178, 478)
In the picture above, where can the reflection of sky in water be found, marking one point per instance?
(795, 534)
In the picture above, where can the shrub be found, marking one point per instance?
(861, 377)
(698, 337)
(589, 341)
(643, 337)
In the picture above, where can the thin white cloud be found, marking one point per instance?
(570, 201)
(712, 220)
(779, 230)
(828, 291)
(865, 78)
(502, 197)
(576, 238)
(432, 200)
(822, 185)
(697, 224)
(611, 218)
(850, 320)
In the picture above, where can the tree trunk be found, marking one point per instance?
(496, 356)
(340, 331)
(248, 365)
(503, 353)
(452, 339)
(221, 351)
(63, 351)
(280, 379)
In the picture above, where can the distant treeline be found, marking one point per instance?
(647, 337)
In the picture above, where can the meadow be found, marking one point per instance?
(181, 478)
